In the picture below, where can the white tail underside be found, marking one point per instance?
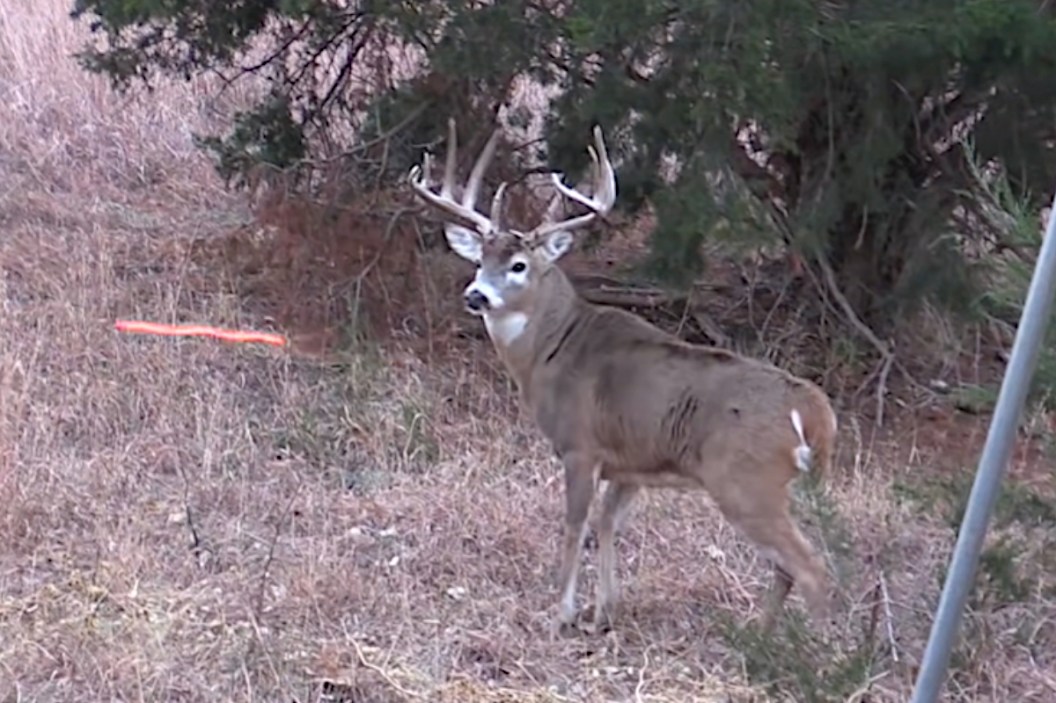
(802, 454)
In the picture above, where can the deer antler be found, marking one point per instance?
(604, 193)
(600, 203)
(465, 210)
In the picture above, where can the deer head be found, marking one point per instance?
(510, 262)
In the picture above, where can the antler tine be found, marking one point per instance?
(444, 200)
(496, 207)
(476, 176)
(600, 203)
(606, 176)
(449, 166)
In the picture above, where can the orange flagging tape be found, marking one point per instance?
(199, 331)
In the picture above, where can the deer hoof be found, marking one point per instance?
(564, 623)
(603, 619)
(560, 628)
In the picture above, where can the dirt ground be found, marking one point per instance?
(370, 517)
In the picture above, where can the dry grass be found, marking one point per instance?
(193, 522)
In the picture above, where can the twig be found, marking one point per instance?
(640, 686)
(227, 81)
(833, 289)
(381, 138)
(258, 606)
(196, 543)
(863, 329)
(769, 316)
(629, 297)
(863, 691)
(653, 299)
(381, 672)
(874, 615)
(197, 547)
(848, 311)
(355, 42)
(881, 389)
(889, 618)
(709, 327)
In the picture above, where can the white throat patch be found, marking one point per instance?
(505, 328)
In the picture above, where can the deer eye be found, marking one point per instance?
(519, 267)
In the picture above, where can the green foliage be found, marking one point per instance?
(821, 512)
(1009, 214)
(1008, 570)
(267, 135)
(1016, 565)
(796, 665)
(174, 36)
(827, 125)
(974, 399)
(419, 446)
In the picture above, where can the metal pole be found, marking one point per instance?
(961, 576)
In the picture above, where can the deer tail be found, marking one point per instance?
(816, 440)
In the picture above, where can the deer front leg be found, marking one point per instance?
(614, 504)
(580, 478)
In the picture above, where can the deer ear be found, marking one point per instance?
(464, 242)
(556, 244)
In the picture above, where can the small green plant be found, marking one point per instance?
(355, 328)
(1013, 566)
(820, 510)
(1005, 574)
(419, 446)
(975, 400)
(998, 565)
(796, 665)
(846, 352)
(948, 495)
(299, 437)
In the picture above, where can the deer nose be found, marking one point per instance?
(476, 301)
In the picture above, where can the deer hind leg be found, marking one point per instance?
(614, 504)
(580, 478)
(775, 597)
(795, 562)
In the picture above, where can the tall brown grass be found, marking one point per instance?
(187, 521)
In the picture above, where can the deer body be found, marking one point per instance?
(622, 401)
(649, 403)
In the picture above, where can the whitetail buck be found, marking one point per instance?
(623, 401)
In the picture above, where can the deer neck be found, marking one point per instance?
(525, 338)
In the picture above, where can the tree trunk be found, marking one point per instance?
(867, 264)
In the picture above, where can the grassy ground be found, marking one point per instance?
(186, 521)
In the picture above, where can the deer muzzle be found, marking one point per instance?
(476, 301)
